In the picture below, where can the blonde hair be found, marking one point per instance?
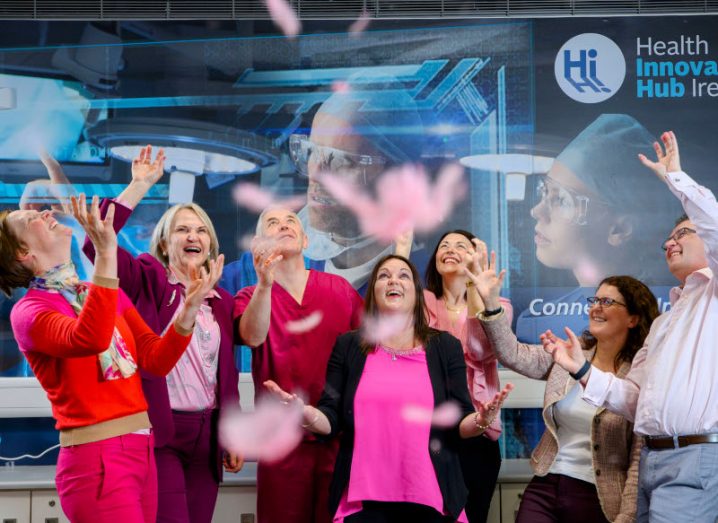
(163, 229)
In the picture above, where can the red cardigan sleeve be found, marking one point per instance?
(61, 336)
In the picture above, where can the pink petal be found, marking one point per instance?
(340, 86)
(305, 324)
(256, 199)
(379, 328)
(406, 200)
(446, 415)
(284, 17)
(360, 24)
(269, 433)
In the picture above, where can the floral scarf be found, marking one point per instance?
(116, 362)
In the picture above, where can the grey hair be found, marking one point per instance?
(163, 229)
(259, 230)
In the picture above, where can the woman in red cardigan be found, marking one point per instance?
(86, 343)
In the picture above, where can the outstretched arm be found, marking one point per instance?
(529, 360)
(145, 173)
(314, 419)
(698, 201)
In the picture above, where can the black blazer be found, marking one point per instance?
(447, 372)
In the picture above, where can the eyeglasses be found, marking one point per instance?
(680, 233)
(605, 302)
(305, 152)
(566, 203)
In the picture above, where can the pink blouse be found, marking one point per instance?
(391, 459)
(482, 372)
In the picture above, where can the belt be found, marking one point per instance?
(676, 442)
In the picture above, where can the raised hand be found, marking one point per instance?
(566, 353)
(146, 171)
(265, 256)
(666, 161)
(487, 411)
(402, 243)
(488, 283)
(101, 232)
(202, 281)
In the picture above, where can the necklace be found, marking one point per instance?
(455, 310)
(406, 352)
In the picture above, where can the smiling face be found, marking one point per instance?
(284, 227)
(613, 321)
(43, 236)
(687, 254)
(189, 241)
(394, 290)
(451, 254)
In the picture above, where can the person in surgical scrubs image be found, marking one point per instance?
(595, 216)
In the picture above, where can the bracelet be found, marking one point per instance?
(469, 284)
(481, 427)
(316, 418)
(492, 312)
(582, 371)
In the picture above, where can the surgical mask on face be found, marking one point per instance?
(321, 245)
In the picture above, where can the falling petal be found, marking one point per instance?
(256, 199)
(406, 200)
(305, 324)
(269, 433)
(245, 242)
(435, 445)
(445, 415)
(340, 86)
(284, 17)
(379, 328)
(360, 24)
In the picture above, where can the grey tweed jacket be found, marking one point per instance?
(616, 451)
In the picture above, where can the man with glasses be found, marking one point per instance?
(355, 137)
(672, 389)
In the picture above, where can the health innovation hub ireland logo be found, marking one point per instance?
(590, 68)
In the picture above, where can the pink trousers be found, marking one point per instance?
(109, 481)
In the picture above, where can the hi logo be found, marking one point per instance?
(590, 68)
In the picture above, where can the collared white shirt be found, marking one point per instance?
(672, 388)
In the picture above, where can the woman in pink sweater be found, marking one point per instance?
(86, 344)
(453, 304)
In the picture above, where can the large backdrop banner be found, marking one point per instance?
(547, 117)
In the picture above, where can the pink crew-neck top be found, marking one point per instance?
(391, 459)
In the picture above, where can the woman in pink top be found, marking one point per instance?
(453, 303)
(393, 463)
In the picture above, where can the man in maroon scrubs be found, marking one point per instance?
(295, 489)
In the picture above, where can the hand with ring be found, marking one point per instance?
(487, 410)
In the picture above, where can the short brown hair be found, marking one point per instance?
(13, 274)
